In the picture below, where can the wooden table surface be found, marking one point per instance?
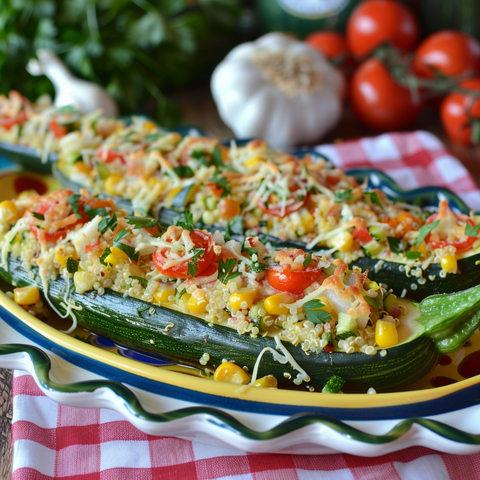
(198, 109)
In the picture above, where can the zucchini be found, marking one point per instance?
(27, 157)
(436, 325)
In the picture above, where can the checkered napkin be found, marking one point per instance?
(54, 441)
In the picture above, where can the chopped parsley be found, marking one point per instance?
(411, 255)
(184, 171)
(154, 137)
(104, 255)
(424, 231)
(374, 199)
(472, 231)
(193, 265)
(258, 267)
(143, 281)
(343, 195)
(307, 260)
(72, 265)
(217, 157)
(107, 223)
(38, 216)
(314, 312)
(143, 222)
(74, 201)
(192, 269)
(234, 227)
(222, 183)
(395, 244)
(130, 251)
(93, 212)
(225, 270)
(181, 293)
(188, 223)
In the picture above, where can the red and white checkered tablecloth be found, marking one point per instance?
(54, 441)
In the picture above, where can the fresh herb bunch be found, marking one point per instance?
(134, 48)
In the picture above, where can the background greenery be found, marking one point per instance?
(135, 48)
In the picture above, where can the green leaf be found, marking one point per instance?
(234, 227)
(395, 244)
(411, 255)
(374, 199)
(222, 183)
(343, 196)
(225, 270)
(130, 251)
(184, 171)
(143, 281)
(258, 267)
(424, 231)
(74, 201)
(39, 216)
(314, 312)
(93, 212)
(472, 230)
(197, 252)
(122, 234)
(72, 265)
(217, 159)
(307, 260)
(180, 294)
(142, 222)
(108, 223)
(192, 269)
(188, 223)
(104, 255)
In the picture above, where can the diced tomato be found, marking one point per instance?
(200, 240)
(362, 235)
(329, 348)
(108, 156)
(8, 122)
(332, 180)
(461, 244)
(58, 130)
(214, 188)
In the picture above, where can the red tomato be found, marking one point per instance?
(334, 47)
(362, 235)
(201, 240)
(459, 111)
(449, 52)
(276, 208)
(285, 279)
(58, 130)
(377, 22)
(8, 122)
(108, 156)
(378, 100)
(462, 244)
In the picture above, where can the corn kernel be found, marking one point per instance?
(198, 301)
(26, 295)
(162, 294)
(267, 382)
(449, 263)
(372, 285)
(111, 184)
(61, 257)
(148, 126)
(276, 304)
(254, 162)
(385, 334)
(115, 256)
(246, 295)
(343, 241)
(8, 212)
(80, 167)
(230, 373)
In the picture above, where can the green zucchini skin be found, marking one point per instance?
(27, 157)
(190, 338)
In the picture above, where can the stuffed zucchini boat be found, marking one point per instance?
(239, 310)
(294, 198)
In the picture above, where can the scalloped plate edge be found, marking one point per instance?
(325, 434)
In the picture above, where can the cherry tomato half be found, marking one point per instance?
(276, 208)
(449, 52)
(377, 22)
(379, 101)
(285, 279)
(459, 111)
(462, 245)
(362, 235)
(200, 240)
